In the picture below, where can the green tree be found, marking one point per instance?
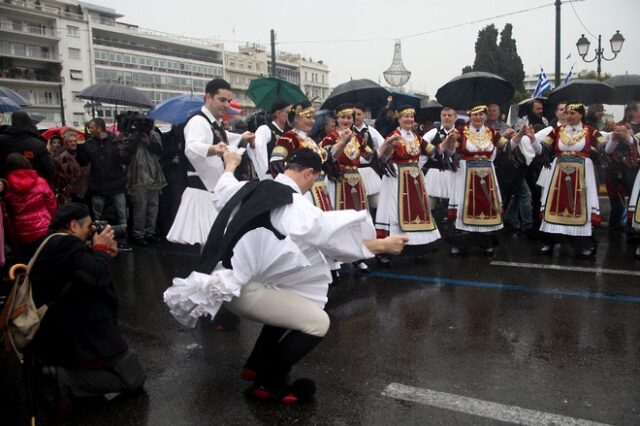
(502, 59)
(488, 55)
(513, 70)
(591, 75)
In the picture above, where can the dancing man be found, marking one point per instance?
(266, 260)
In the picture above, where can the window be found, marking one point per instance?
(74, 53)
(73, 31)
(75, 74)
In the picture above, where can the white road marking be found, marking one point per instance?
(566, 268)
(478, 407)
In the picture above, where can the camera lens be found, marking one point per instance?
(100, 225)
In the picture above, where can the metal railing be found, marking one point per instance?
(24, 27)
(156, 34)
(5, 50)
(42, 8)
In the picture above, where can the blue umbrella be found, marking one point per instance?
(321, 119)
(14, 96)
(176, 110)
(7, 105)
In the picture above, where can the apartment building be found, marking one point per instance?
(52, 49)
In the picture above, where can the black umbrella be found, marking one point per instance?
(627, 88)
(363, 91)
(116, 94)
(429, 111)
(586, 91)
(474, 88)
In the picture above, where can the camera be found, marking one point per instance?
(119, 231)
(132, 121)
(100, 225)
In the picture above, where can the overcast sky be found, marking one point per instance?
(332, 31)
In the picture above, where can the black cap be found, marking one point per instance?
(305, 157)
(404, 107)
(279, 105)
(67, 213)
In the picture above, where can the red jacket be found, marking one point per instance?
(32, 204)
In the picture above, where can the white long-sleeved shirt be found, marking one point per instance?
(337, 234)
(259, 155)
(197, 140)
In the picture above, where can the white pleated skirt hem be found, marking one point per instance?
(194, 219)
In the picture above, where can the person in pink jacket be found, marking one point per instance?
(30, 201)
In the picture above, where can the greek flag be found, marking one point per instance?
(568, 77)
(543, 84)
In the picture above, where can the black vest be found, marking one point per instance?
(258, 198)
(275, 135)
(365, 135)
(219, 135)
(436, 162)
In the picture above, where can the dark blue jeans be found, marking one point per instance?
(519, 208)
(98, 202)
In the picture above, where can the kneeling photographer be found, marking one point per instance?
(145, 178)
(79, 335)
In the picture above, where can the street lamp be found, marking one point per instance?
(90, 108)
(616, 46)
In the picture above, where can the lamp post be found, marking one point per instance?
(617, 40)
(89, 108)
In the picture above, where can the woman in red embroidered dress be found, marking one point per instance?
(403, 206)
(570, 199)
(301, 119)
(475, 204)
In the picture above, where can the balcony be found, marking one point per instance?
(30, 54)
(35, 6)
(16, 74)
(31, 30)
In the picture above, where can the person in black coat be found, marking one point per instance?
(22, 137)
(107, 156)
(79, 334)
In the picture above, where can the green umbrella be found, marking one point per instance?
(265, 91)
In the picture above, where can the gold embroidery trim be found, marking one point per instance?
(481, 140)
(469, 214)
(567, 166)
(406, 185)
(571, 140)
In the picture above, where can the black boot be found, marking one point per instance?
(265, 344)
(271, 382)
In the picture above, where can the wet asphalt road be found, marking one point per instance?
(555, 341)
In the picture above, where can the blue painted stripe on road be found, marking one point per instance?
(456, 282)
(523, 288)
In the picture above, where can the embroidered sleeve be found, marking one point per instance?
(282, 149)
(550, 138)
(327, 142)
(598, 137)
(426, 148)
